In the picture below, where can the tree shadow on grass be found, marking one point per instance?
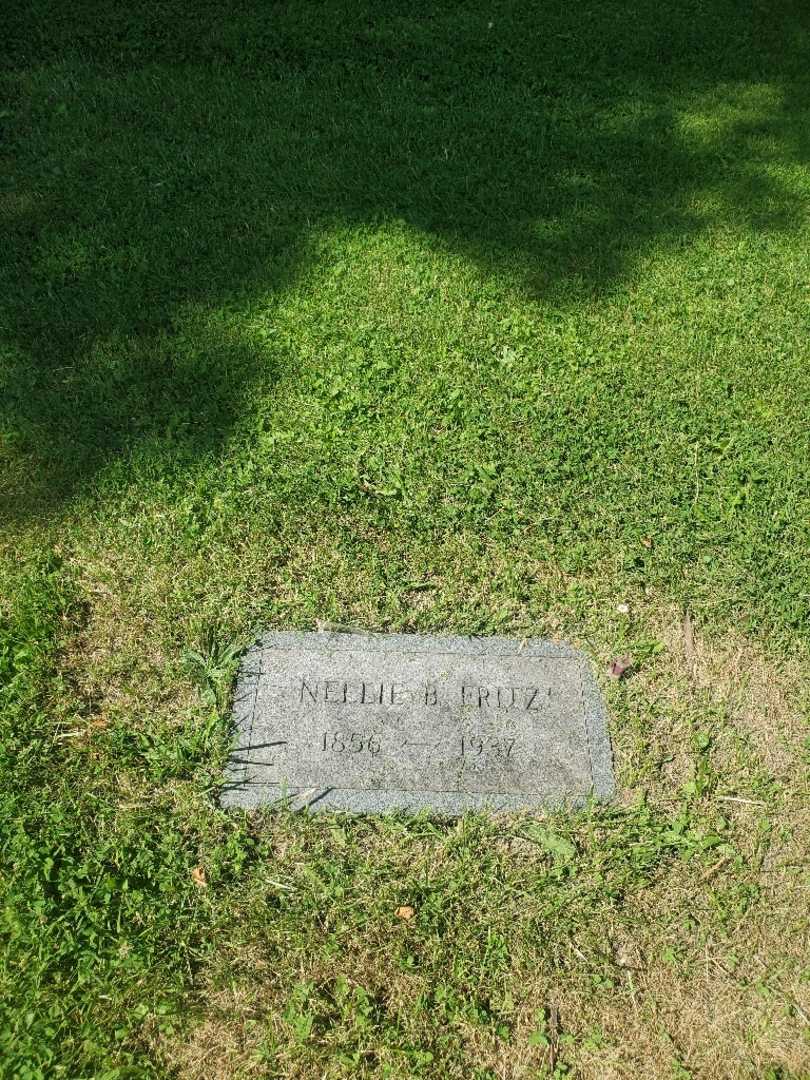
(168, 164)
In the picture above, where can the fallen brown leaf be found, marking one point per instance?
(405, 911)
(617, 667)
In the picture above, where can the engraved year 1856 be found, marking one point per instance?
(350, 742)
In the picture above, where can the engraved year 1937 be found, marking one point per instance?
(484, 745)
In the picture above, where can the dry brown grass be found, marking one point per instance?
(713, 997)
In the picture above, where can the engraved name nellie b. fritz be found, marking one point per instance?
(376, 722)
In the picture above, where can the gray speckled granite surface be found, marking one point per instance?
(377, 722)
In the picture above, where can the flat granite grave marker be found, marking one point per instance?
(376, 722)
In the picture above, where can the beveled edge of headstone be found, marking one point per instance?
(238, 792)
(242, 713)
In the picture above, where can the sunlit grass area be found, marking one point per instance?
(467, 319)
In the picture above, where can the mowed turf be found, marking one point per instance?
(448, 318)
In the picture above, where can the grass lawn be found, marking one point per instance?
(440, 317)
